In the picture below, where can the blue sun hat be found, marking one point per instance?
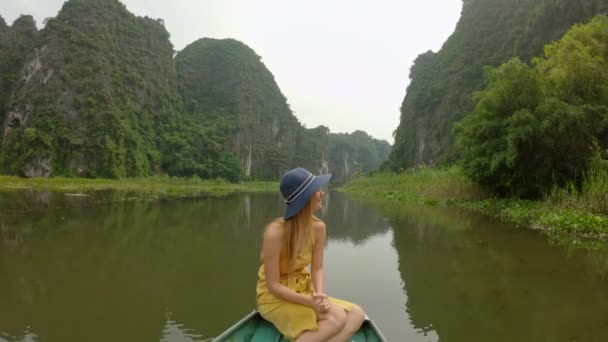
(297, 186)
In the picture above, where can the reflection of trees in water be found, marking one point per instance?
(72, 265)
(351, 219)
(595, 253)
(25, 199)
(116, 267)
(10, 240)
(470, 278)
(175, 331)
(25, 336)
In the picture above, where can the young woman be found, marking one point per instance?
(289, 296)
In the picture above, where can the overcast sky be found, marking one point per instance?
(340, 63)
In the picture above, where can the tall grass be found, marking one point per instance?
(157, 186)
(422, 181)
(567, 210)
(591, 196)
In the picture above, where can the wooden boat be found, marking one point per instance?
(253, 328)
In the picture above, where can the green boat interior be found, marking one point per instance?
(257, 329)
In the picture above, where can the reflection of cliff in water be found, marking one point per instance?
(104, 262)
(351, 219)
(34, 212)
(473, 279)
(109, 260)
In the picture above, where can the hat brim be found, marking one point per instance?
(300, 202)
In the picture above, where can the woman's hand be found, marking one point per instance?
(321, 302)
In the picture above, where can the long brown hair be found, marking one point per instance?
(296, 231)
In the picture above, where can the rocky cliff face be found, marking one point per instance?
(226, 80)
(97, 92)
(16, 42)
(345, 156)
(489, 32)
(312, 149)
(88, 97)
(352, 155)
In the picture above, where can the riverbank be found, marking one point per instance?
(565, 212)
(150, 187)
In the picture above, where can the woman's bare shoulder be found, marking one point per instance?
(273, 231)
(318, 226)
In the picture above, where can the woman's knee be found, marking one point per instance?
(337, 317)
(357, 316)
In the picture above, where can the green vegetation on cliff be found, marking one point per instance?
(98, 93)
(535, 128)
(225, 84)
(312, 149)
(16, 42)
(346, 156)
(93, 98)
(489, 32)
(355, 154)
(538, 132)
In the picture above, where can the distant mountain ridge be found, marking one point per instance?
(99, 93)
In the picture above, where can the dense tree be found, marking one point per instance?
(191, 149)
(534, 127)
(488, 33)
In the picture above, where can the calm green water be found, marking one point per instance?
(109, 268)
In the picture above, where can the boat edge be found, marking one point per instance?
(234, 327)
(376, 329)
(254, 312)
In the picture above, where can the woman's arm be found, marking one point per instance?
(316, 268)
(273, 239)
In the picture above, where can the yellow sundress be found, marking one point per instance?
(292, 319)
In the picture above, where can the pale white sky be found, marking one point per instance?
(340, 63)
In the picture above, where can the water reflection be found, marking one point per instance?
(352, 219)
(112, 265)
(176, 332)
(368, 275)
(469, 278)
(26, 336)
(111, 268)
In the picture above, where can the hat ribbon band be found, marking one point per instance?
(301, 189)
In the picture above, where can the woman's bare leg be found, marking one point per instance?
(354, 319)
(330, 324)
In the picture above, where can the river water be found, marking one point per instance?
(109, 267)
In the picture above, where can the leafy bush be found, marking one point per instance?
(536, 127)
(489, 32)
